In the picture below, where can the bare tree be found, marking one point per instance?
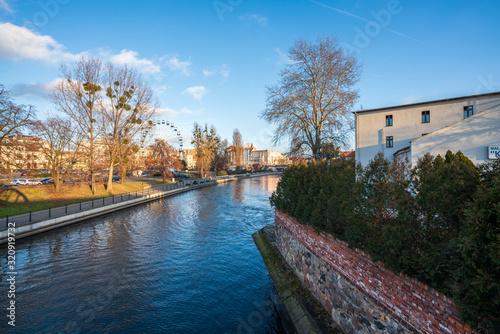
(13, 118)
(314, 97)
(59, 147)
(128, 110)
(162, 156)
(238, 148)
(205, 141)
(78, 95)
(220, 158)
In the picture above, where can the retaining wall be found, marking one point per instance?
(360, 295)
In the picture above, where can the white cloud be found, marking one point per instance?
(222, 70)
(410, 99)
(197, 92)
(208, 73)
(261, 20)
(283, 58)
(34, 89)
(172, 112)
(225, 71)
(18, 43)
(5, 6)
(161, 89)
(130, 58)
(176, 65)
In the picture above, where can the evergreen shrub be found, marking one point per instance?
(438, 222)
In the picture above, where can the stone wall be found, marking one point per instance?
(362, 296)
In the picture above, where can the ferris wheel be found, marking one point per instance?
(162, 129)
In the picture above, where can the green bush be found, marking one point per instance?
(438, 222)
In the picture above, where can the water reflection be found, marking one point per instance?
(186, 264)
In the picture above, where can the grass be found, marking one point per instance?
(19, 200)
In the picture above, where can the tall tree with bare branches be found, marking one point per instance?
(128, 109)
(59, 146)
(162, 156)
(13, 118)
(312, 102)
(238, 148)
(205, 141)
(78, 95)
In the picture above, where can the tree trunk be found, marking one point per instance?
(57, 181)
(110, 179)
(124, 172)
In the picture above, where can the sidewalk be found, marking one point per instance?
(33, 217)
(69, 209)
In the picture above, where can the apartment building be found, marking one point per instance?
(470, 124)
(268, 158)
(22, 152)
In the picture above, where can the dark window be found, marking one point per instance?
(426, 116)
(389, 142)
(468, 111)
(388, 120)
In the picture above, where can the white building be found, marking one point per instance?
(269, 158)
(470, 124)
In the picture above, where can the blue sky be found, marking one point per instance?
(209, 61)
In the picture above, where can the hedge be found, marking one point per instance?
(438, 222)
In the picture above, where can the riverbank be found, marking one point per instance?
(29, 228)
(305, 313)
(19, 200)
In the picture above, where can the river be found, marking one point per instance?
(183, 264)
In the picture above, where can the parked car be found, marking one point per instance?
(47, 180)
(34, 182)
(19, 182)
(114, 179)
(24, 173)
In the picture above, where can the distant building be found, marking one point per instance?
(470, 124)
(22, 152)
(247, 155)
(347, 154)
(189, 156)
(269, 158)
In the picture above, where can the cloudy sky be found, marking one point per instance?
(209, 61)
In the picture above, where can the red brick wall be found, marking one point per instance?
(413, 304)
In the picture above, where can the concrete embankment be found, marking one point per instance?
(302, 311)
(50, 224)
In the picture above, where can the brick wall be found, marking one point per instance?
(362, 296)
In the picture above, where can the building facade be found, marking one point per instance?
(470, 124)
(268, 158)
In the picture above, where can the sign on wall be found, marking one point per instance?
(494, 152)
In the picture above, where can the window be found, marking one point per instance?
(388, 120)
(468, 111)
(426, 116)
(389, 141)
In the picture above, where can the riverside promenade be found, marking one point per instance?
(40, 221)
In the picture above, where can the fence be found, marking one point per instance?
(58, 211)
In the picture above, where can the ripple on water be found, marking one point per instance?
(184, 264)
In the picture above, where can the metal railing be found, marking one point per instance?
(67, 209)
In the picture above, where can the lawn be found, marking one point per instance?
(18, 200)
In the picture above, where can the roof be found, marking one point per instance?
(428, 102)
(347, 154)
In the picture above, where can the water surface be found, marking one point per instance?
(184, 264)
